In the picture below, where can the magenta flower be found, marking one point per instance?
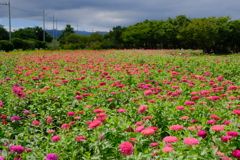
(153, 144)
(236, 153)
(1, 104)
(51, 156)
(15, 118)
(17, 148)
(226, 138)
(232, 133)
(126, 148)
(202, 134)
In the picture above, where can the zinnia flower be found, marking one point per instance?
(190, 141)
(202, 134)
(51, 156)
(170, 139)
(140, 128)
(217, 128)
(55, 138)
(226, 138)
(154, 144)
(80, 139)
(232, 133)
(176, 127)
(94, 123)
(142, 108)
(126, 148)
(167, 149)
(236, 153)
(148, 131)
(36, 123)
(17, 148)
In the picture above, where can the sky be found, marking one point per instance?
(103, 15)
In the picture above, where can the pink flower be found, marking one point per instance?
(236, 111)
(70, 113)
(35, 123)
(170, 139)
(51, 131)
(148, 131)
(215, 117)
(55, 138)
(80, 139)
(65, 126)
(232, 133)
(139, 123)
(184, 117)
(140, 129)
(226, 138)
(226, 122)
(142, 108)
(154, 144)
(180, 107)
(167, 149)
(121, 110)
(94, 123)
(202, 134)
(189, 103)
(211, 121)
(98, 110)
(176, 127)
(236, 153)
(126, 148)
(148, 92)
(190, 141)
(217, 128)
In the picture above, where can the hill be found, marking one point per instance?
(57, 33)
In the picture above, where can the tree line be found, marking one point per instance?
(219, 34)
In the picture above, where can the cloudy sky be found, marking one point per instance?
(103, 15)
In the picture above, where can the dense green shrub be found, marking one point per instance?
(6, 45)
(17, 43)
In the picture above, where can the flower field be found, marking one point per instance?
(119, 104)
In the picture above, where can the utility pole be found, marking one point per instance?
(44, 26)
(9, 17)
(53, 26)
(56, 30)
(9, 14)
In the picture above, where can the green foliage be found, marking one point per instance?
(6, 45)
(54, 45)
(66, 32)
(95, 45)
(30, 33)
(17, 43)
(4, 35)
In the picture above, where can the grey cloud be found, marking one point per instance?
(106, 14)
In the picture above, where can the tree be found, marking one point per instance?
(67, 31)
(4, 35)
(25, 33)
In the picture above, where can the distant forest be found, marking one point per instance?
(220, 34)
